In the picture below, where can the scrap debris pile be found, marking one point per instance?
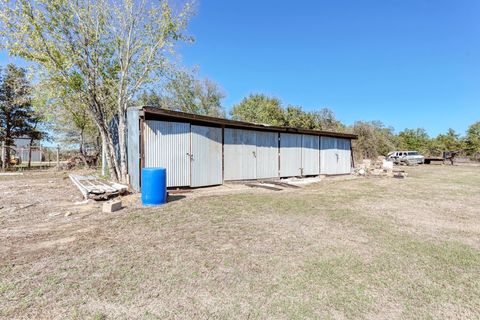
(379, 168)
(80, 161)
(98, 189)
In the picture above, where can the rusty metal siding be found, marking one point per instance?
(133, 148)
(239, 154)
(310, 155)
(290, 154)
(328, 155)
(266, 154)
(167, 144)
(206, 156)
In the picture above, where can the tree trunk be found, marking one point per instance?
(81, 149)
(2, 155)
(30, 155)
(122, 146)
(7, 142)
(112, 161)
(7, 155)
(100, 119)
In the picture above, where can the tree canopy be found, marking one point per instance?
(17, 117)
(107, 51)
(259, 108)
(185, 93)
(472, 140)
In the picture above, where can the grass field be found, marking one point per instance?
(366, 248)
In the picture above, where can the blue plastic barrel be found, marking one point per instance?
(154, 186)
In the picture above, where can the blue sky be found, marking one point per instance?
(410, 63)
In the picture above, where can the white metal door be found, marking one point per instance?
(290, 155)
(167, 145)
(239, 154)
(310, 155)
(329, 155)
(344, 161)
(206, 156)
(267, 154)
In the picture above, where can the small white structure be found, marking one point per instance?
(22, 146)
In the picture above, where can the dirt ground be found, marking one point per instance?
(347, 248)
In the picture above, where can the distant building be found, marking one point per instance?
(21, 149)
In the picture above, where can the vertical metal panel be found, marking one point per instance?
(329, 155)
(239, 154)
(267, 154)
(167, 144)
(290, 154)
(310, 155)
(133, 148)
(22, 153)
(344, 161)
(348, 154)
(206, 156)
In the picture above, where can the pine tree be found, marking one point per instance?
(15, 107)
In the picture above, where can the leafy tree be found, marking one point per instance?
(472, 140)
(187, 94)
(110, 50)
(374, 139)
(449, 141)
(67, 114)
(150, 98)
(414, 139)
(258, 108)
(297, 118)
(325, 120)
(16, 113)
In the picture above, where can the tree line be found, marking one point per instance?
(374, 138)
(28, 110)
(94, 59)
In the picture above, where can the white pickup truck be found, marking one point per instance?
(407, 157)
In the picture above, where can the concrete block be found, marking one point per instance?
(387, 165)
(112, 206)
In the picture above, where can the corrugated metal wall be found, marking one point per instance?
(167, 144)
(206, 156)
(239, 154)
(328, 155)
(266, 154)
(310, 155)
(36, 155)
(345, 159)
(290, 154)
(192, 154)
(335, 156)
(133, 148)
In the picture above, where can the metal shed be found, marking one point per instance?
(203, 151)
(335, 155)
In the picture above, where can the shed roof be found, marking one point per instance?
(164, 114)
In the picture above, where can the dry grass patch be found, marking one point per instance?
(363, 248)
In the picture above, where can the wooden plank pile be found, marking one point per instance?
(98, 189)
